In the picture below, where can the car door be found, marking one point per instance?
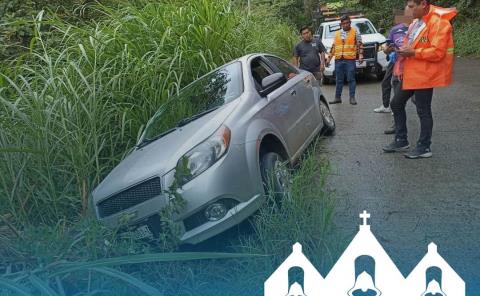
(280, 106)
(309, 117)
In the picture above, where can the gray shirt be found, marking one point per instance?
(413, 33)
(308, 52)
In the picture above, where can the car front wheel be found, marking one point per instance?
(276, 177)
(327, 117)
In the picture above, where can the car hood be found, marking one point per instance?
(161, 156)
(367, 38)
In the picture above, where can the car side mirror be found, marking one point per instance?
(382, 31)
(271, 83)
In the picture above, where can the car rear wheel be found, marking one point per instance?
(328, 120)
(276, 177)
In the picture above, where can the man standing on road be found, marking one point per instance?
(345, 48)
(396, 36)
(426, 62)
(309, 54)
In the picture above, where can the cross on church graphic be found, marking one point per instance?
(364, 269)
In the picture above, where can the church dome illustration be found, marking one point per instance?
(365, 269)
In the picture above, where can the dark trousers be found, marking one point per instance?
(342, 68)
(387, 85)
(423, 102)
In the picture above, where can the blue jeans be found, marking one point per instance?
(343, 67)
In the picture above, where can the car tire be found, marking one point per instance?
(328, 120)
(276, 178)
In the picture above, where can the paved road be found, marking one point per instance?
(413, 202)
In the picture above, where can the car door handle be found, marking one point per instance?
(293, 92)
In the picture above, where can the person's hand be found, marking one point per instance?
(322, 68)
(389, 49)
(406, 52)
(327, 63)
(360, 59)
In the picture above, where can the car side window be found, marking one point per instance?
(288, 70)
(259, 71)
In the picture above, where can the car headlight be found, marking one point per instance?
(203, 156)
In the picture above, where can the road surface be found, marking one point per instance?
(413, 202)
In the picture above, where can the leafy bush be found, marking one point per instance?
(467, 38)
(84, 258)
(75, 105)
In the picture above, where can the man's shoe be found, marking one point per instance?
(419, 152)
(352, 101)
(382, 109)
(336, 101)
(398, 145)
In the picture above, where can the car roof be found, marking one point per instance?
(360, 19)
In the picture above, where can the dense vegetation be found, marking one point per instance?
(76, 89)
(78, 81)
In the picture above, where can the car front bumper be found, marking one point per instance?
(223, 181)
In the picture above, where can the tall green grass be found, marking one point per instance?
(85, 258)
(74, 105)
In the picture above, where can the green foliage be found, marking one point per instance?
(72, 105)
(467, 38)
(73, 108)
(305, 218)
(84, 257)
(381, 12)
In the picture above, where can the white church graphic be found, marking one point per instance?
(365, 269)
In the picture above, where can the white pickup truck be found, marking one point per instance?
(374, 59)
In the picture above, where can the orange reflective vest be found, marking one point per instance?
(345, 49)
(432, 64)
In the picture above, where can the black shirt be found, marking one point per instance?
(308, 52)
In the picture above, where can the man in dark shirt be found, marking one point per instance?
(309, 54)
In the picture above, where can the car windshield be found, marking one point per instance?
(195, 100)
(364, 27)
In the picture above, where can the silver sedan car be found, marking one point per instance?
(228, 131)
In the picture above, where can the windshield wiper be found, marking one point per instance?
(185, 121)
(148, 141)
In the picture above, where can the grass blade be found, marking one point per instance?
(147, 289)
(42, 286)
(145, 258)
(14, 287)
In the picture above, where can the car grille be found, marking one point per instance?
(369, 51)
(130, 197)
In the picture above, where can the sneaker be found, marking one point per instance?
(382, 109)
(419, 152)
(398, 145)
(336, 101)
(352, 101)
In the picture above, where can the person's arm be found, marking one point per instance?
(296, 61)
(441, 32)
(296, 56)
(321, 54)
(330, 55)
(322, 61)
(359, 46)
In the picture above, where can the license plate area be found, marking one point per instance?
(147, 229)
